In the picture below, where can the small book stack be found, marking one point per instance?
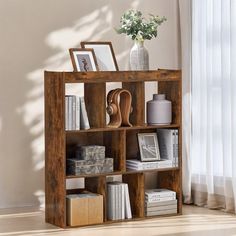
(118, 201)
(168, 144)
(160, 202)
(76, 116)
(134, 164)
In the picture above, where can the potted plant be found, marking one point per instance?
(139, 29)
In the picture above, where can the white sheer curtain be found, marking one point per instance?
(213, 103)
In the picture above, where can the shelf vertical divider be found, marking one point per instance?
(95, 100)
(55, 177)
(137, 90)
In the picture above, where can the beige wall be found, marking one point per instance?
(35, 36)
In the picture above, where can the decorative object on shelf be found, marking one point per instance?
(148, 147)
(159, 110)
(133, 24)
(104, 54)
(89, 159)
(83, 59)
(160, 202)
(119, 107)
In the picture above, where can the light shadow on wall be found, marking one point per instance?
(94, 25)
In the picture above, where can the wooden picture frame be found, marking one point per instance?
(83, 59)
(104, 54)
(148, 147)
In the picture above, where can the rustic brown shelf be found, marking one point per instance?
(118, 76)
(121, 143)
(121, 173)
(106, 129)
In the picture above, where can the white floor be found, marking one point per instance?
(195, 221)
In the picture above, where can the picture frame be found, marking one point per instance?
(83, 60)
(148, 147)
(104, 54)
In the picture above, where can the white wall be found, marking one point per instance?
(35, 36)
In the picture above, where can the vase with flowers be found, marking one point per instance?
(139, 29)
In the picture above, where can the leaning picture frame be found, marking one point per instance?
(148, 147)
(83, 59)
(104, 54)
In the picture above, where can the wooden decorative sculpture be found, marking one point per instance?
(119, 107)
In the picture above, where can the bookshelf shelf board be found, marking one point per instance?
(93, 175)
(120, 76)
(107, 129)
(121, 173)
(150, 171)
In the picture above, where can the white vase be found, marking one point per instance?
(139, 58)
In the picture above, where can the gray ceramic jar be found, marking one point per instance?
(159, 110)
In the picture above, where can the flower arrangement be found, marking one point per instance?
(137, 27)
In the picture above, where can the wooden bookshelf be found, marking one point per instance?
(121, 143)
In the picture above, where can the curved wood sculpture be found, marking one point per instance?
(119, 107)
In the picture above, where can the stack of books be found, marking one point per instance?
(76, 116)
(168, 144)
(118, 201)
(160, 202)
(134, 164)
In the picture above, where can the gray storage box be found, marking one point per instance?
(91, 152)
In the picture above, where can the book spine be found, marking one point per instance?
(66, 113)
(157, 204)
(128, 213)
(159, 195)
(77, 113)
(83, 115)
(177, 147)
(70, 113)
(73, 112)
(160, 199)
(173, 146)
(122, 201)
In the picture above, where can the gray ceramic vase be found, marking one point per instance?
(159, 110)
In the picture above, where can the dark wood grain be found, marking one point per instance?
(137, 90)
(136, 193)
(54, 149)
(121, 76)
(95, 101)
(115, 148)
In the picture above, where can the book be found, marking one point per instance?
(73, 112)
(150, 193)
(118, 201)
(167, 145)
(84, 122)
(176, 148)
(77, 113)
(158, 204)
(159, 199)
(66, 113)
(161, 208)
(70, 121)
(128, 214)
(138, 165)
(162, 212)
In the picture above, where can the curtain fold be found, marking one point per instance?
(213, 103)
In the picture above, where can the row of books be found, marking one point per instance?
(118, 201)
(134, 164)
(168, 144)
(160, 202)
(76, 116)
